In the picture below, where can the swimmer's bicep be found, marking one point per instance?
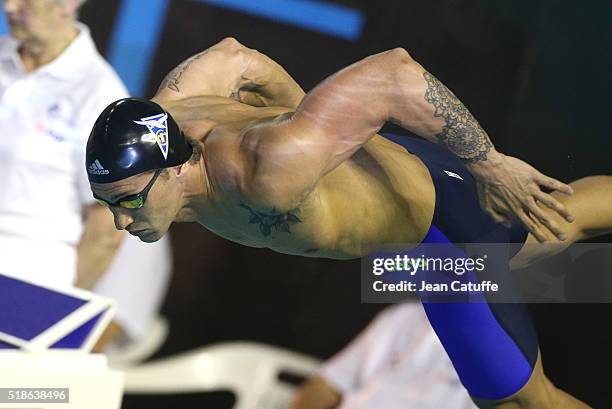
(350, 106)
(287, 157)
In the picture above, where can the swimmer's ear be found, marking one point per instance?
(178, 169)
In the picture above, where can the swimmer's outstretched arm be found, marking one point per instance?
(341, 114)
(230, 69)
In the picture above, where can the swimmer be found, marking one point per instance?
(230, 141)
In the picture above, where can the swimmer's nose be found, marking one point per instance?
(122, 220)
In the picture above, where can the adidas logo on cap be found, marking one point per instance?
(96, 168)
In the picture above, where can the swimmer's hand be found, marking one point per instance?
(510, 188)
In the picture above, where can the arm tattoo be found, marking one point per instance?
(173, 79)
(267, 222)
(461, 134)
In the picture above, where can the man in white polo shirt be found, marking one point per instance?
(397, 362)
(53, 81)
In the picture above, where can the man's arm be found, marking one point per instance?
(230, 69)
(347, 109)
(98, 245)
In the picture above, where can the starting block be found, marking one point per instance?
(46, 336)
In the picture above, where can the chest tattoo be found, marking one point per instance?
(273, 221)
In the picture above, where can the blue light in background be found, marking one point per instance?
(138, 28)
(140, 23)
(134, 40)
(327, 18)
(3, 25)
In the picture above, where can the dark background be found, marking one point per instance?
(536, 75)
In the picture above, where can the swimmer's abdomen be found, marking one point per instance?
(379, 195)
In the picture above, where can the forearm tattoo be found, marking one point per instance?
(461, 134)
(274, 221)
(173, 79)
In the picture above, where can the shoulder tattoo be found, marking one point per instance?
(173, 79)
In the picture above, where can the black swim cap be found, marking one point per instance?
(133, 136)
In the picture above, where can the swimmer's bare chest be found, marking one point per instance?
(381, 194)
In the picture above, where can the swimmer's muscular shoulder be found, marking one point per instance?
(230, 160)
(244, 214)
(355, 203)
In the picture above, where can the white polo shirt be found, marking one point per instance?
(397, 362)
(45, 119)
